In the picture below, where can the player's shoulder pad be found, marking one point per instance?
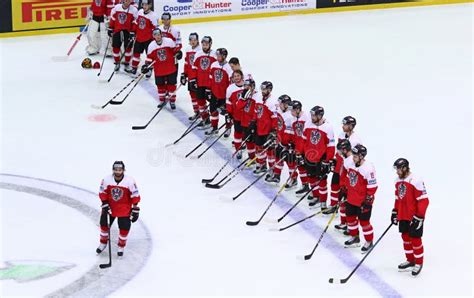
(417, 182)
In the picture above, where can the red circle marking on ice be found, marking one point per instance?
(102, 118)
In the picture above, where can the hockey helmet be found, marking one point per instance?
(86, 63)
(96, 65)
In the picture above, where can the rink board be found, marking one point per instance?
(28, 17)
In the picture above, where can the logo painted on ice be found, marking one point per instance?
(353, 177)
(116, 194)
(205, 63)
(122, 17)
(30, 270)
(402, 190)
(315, 137)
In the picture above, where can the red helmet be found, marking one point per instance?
(96, 65)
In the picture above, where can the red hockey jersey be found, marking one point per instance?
(220, 75)
(318, 142)
(120, 196)
(202, 65)
(99, 8)
(173, 33)
(232, 96)
(144, 25)
(163, 54)
(354, 140)
(265, 114)
(284, 128)
(189, 61)
(361, 181)
(410, 198)
(298, 123)
(247, 109)
(123, 18)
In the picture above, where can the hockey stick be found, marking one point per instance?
(139, 127)
(307, 257)
(344, 280)
(78, 38)
(296, 204)
(254, 223)
(189, 129)
(298, 222)
(105, 54)
(256, 180)
(227, 162)
(115, 96)
(235, 170)
(109, 264)
(200, 144)
(121, 57)
(212, 144)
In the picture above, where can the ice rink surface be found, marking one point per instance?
(405, 74)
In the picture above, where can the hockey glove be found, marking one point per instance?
(145, 68)
(394, 217)
(105, 207)
(135, 213)
(179, 55)
(332, 165)
(367, 204)
(132, 37)
(342, 194)
(110, 32)
(325, 167)
(183, 79)
(416, 223)
(228, 119)
(193, 85)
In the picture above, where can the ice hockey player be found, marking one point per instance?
(246, 104)
(202, 65)
(121, 30)
(220, 76)
(234, 114)
(361, 187)
(344, 150)
(120, 198)
(143, 26)
(318, 148)
(285, 148)
(97, 32)
(265, 126)
(411, 202)
(348, 125)
(161, 50)
(175, 34)
(235, 65)
(298, 120)
(189, 73)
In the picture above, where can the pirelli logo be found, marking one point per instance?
(48, 14)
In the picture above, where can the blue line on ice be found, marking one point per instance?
(332, 245)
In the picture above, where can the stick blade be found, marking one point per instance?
(252, 223)
(337, 281)
(115, 103)
(300, 258)
(103, 266)
(274, 229)
(213, 186)
(206, 181)
(96, 107)
(138, 127)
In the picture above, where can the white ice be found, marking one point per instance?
(405, 74)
